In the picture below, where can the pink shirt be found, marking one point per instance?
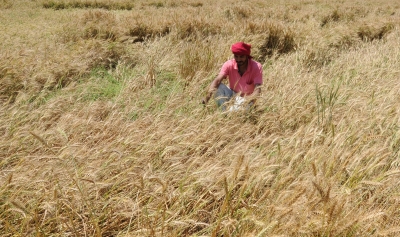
(246, 83)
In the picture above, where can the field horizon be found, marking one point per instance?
(103, 132)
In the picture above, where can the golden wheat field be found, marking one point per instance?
(102, 130)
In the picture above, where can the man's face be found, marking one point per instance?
(240, 59)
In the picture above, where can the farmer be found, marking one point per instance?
(245, 79)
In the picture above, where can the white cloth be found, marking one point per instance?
(238, 104)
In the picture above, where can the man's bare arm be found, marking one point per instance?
(213, 87)
(256, 93)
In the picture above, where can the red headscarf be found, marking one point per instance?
(241, 48)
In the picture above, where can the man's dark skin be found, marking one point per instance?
(242, 62)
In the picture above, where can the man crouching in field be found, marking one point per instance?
(245, 79)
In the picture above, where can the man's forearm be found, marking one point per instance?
(255, 94)
(208, 96)
(213, 87)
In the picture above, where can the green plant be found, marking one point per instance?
(103, 86)
(326, 100)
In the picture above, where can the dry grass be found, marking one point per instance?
(102, 131)
(103, 4)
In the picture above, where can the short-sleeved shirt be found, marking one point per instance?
(243, 84)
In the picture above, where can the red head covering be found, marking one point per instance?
(241, 48)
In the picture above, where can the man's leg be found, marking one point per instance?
(223, 95)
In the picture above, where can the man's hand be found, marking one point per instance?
(213, 88)
(253, 97)
(207, 98)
